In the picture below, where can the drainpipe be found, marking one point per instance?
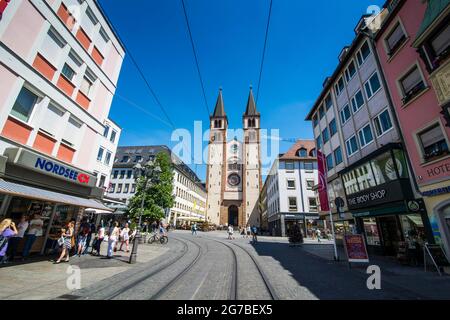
(391, 104)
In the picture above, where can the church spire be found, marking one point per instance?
(251, 105)
(219, 111)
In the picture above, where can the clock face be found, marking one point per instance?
(234, 180)
(234, 148)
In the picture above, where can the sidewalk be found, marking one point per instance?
(41, 279)
(426, 285)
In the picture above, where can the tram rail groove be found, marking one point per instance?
(234, 277)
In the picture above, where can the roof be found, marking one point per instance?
(219, 110)
(291, 154)
(147, 153)
(29, 192)
(251, 105)
(436, 11)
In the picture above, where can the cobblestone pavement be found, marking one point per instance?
(208, 266)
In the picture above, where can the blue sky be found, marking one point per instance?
(304, 41)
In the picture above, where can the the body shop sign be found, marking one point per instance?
(3, 5)
(367, 198)
(51, 167)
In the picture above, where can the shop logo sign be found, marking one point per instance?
(413, 206)
(61, 171)
(373, 196)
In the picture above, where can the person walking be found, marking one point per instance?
(248, 231)
(7, 230)
(319, 235)
(254, 234)
(66, 235)
(15, 240)
(125, 235)
(113, 236)
(230, 232)
(85, 228)
(34, 231)
(89, 238)
(194, 229)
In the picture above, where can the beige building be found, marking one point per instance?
(234, 177)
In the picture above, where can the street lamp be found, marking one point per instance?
(151, 175)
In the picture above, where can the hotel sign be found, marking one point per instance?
(51, 167)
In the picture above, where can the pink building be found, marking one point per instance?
(413, 46)
(59, 65)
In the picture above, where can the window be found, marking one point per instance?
(319, 141)
(104, 35)
(108, 158)
(133, 188)
(91, 16)
(365, 136)
(113, 136)
(129, 174)
(115, 174)
(357, 101)
(292, 204)
(315, 121)
(330, 164)
(382, 123)
(303, 153)
(309, 167)
(352, 146)
(313, 153)
(372, 85)
(338, 155)
(328, 102)
(126, 188)
(125, 159)
(333, 128)
(433, 143)
(325, 135)
(68, 72)
(86, 86)
(100, 154)
(122, 174)
(101, 184)
(363, 53)
(290, 166)
(138, 159)
(106, 131)
(119, 188)
(309, 184)
(291, 184)
(441, 42)
(312, 204)
(350, 71)
(411, 84)
(339, 86)
(345, 114)
(112, 188)
(395, 39)
(24, 104)
(321, 112)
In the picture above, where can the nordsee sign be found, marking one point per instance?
(62, 171)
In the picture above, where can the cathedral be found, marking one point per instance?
(234, 178)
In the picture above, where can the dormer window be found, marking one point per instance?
(303, 153)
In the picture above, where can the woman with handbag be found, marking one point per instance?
(66, 241)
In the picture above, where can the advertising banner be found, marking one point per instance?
(323, 192)
(355, 248)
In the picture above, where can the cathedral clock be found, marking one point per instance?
(234, 180)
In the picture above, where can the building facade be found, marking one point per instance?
(59, 66)
(413, 46)
(367, 168)
(188, 191)
(234, 177)
(290, 195)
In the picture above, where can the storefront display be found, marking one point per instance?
(372, 233)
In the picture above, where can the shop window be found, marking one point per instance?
(395, 39)
(350, 183)
(401, 163)
(433, 142)
(371, 231)
(384, 168)
(24, 105)
(365, 177)
(292, 204)
(411, 84)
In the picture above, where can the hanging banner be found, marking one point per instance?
(355, 248)
(3, 5)
(323, 192)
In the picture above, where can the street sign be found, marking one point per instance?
(355, 248)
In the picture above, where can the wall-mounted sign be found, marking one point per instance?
(3, 5)
(436, 192)
(441, 170)
(32, 161)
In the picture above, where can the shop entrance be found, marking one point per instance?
(233, 213)
(390, 234)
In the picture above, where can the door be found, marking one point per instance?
(390, 234)
(233, 213)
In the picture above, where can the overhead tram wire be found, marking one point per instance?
(264, 51)
(195, 57)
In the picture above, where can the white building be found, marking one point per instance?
(289, 185)
(189, 193)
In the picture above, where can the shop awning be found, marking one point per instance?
(20, 190)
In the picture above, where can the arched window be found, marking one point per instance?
(313, 153)
(303, 153)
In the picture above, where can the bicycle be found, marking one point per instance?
(156, 237)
